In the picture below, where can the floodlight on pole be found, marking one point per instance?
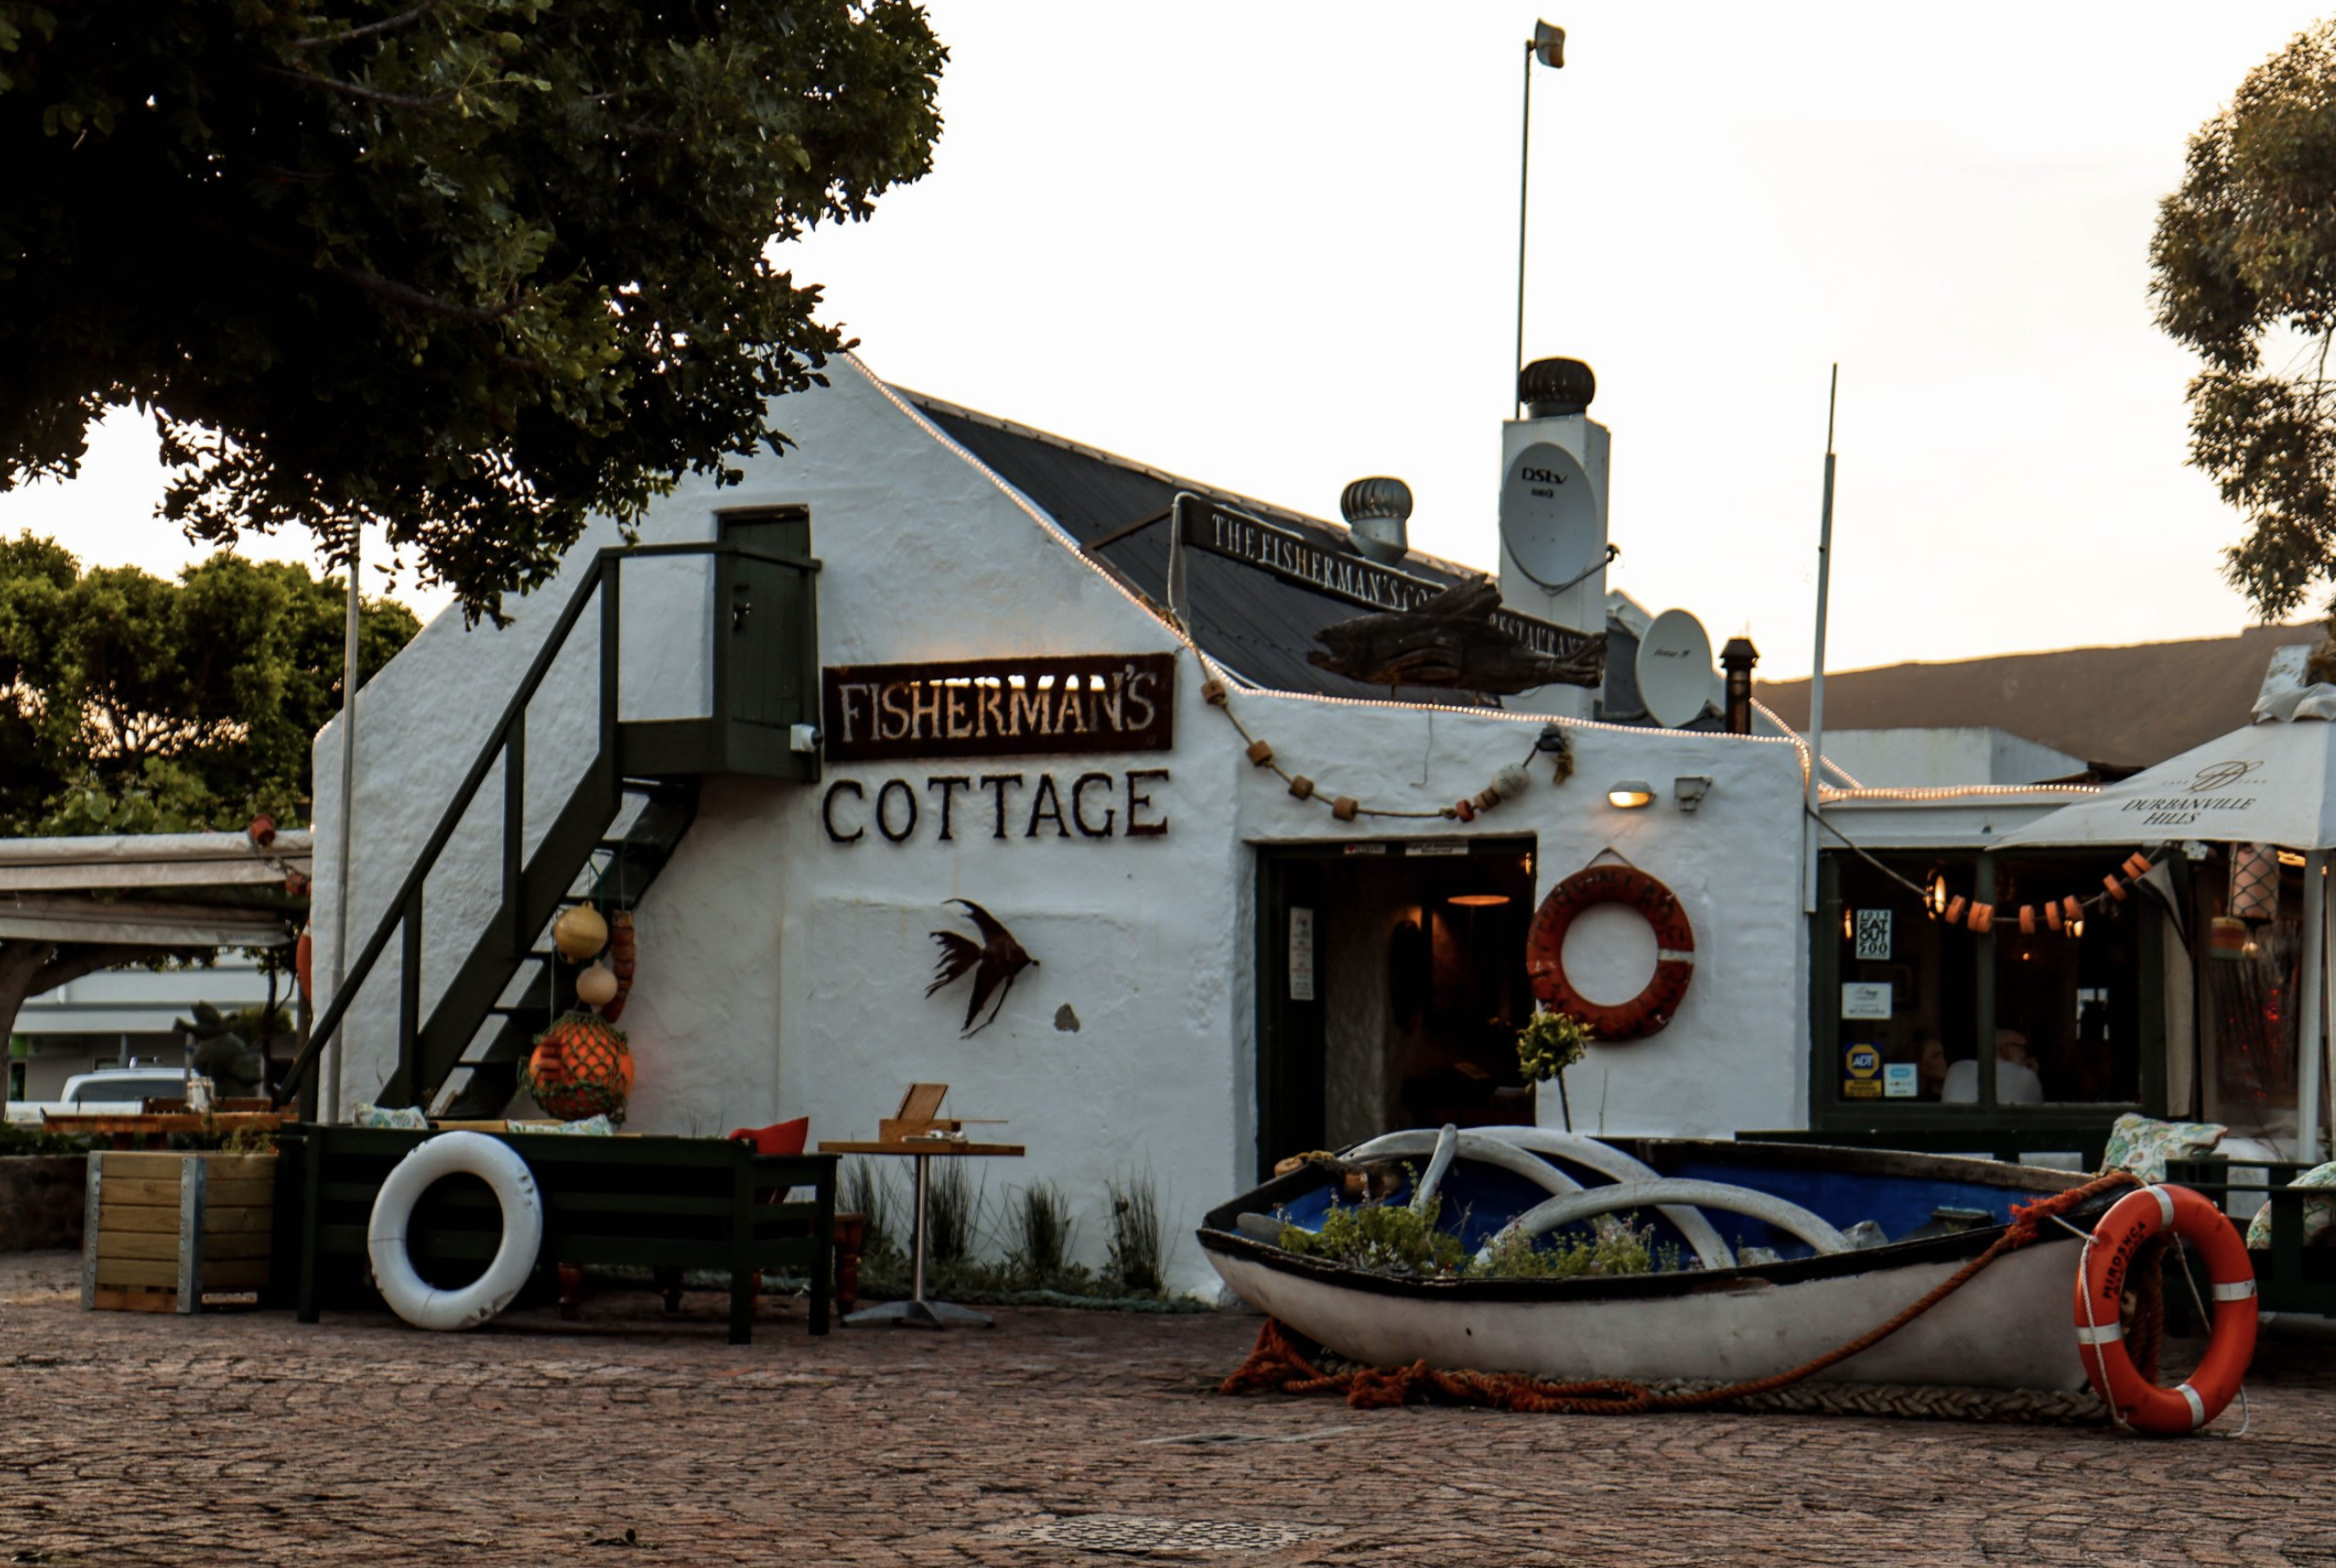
(1547, 45)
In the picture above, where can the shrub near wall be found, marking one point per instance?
(42, 1200)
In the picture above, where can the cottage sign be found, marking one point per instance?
(1089, 704)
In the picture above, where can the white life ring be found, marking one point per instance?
(498, 1164)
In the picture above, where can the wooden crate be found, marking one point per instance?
(164, 1231)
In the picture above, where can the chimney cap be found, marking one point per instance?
(1739, 653)
(1550, 387)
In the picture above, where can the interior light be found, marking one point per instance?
(1478, 900)
(2289, 858)
(1630, 794)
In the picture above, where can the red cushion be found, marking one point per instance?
(779, 1138)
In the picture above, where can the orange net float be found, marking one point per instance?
(2101, 1278)
(2071, 909)
(2028, 920)
(2052, 917)
(2136, 866)
(581, 1066)
(623, 958)
(2115, 888)
(1982, 917)
(1954, 915)
(1644, 1014)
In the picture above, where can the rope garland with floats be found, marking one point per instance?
(2059, 916)
(1509, 781)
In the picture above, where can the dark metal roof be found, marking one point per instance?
(1259, 625)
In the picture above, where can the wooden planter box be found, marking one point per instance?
(164, 1231)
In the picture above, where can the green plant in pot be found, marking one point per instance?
(1548, 1045)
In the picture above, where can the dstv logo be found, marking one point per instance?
(1540, 476)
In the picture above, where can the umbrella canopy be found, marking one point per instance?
(2268, 784)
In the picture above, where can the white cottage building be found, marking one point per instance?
(1228, 968)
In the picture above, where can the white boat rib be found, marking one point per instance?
(1519, 1150)
(1668, 1190)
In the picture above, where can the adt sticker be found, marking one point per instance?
(1898, 1081)
(1863, 1066)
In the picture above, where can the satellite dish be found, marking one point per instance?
(1674, 668)
(1549, 517)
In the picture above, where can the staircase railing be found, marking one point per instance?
(506, 743)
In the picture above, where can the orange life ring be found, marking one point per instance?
(1651, 1009)
(2140, 1215)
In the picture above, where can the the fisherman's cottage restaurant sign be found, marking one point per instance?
(1123, 702)
(1082, 706)
(1221, 530)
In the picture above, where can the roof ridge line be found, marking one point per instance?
(1214, 491)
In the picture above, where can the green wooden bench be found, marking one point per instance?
(2291, 1277)
(2085, 1139)
(655, 1203)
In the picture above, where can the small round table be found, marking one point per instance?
(917, 1311)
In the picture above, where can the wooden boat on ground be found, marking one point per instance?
(1783, 1252)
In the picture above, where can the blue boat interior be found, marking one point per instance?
(1477, 1200)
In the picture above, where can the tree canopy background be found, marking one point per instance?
(2245, 262)
(132, 705)
(469, 269)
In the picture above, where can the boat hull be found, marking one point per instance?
(2008, 1328)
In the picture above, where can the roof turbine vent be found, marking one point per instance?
(1551, 387)
(1377, 511)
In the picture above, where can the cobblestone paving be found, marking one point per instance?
(1061, 1437)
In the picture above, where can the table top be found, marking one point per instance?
(921, 1146)
(164, 1122)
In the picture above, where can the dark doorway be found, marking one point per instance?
(1391, 987)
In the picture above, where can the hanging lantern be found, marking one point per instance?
(2254, 882)
(580, 934)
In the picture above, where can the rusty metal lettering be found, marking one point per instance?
(996, 783)
(1082, 705)
(884, 814)
(947, 784)
(827, 811)
(1046, 803)
(1135, 802)
(1079, 806)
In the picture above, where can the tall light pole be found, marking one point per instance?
(1547, 45)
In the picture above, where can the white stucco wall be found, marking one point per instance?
(782, 973)
(1967, 754)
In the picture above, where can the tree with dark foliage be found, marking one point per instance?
(2245, 262)
(470, 269)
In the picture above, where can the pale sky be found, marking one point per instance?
(1273, 247)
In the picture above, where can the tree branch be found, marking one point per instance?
(73, 959)
(406, 294)
(369, 95)
(371, 29)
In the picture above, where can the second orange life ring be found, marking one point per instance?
(1651, 1008)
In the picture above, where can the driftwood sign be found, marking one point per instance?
(1451, 640)
(1114, 702)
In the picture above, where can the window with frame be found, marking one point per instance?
(1914, 1014)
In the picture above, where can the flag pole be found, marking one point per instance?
(1817, 666)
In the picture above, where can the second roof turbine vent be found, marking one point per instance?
(1377, 513)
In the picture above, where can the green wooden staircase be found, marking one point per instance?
(618, 823)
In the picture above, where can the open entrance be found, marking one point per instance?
(1391, 987)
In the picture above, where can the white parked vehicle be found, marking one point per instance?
(107, 1091)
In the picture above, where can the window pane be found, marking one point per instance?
(1908, 999)
(2066, 1002)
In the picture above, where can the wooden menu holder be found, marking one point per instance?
(919, 1115)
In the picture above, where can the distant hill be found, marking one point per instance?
(2131, 705)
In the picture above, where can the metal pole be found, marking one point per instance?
(1524, 169)
(1816, 673)
(330, 1069)
(2311, 1027)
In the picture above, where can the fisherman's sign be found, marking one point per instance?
(1082, 704)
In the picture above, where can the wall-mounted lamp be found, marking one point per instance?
(1630, 794)
(1690, 789)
